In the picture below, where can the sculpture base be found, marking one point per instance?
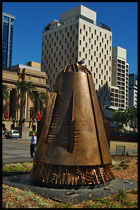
(68, 176)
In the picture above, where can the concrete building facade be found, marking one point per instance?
(11, 108)
(75, 36)
(133, 90)
(119, 79)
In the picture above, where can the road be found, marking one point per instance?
(19, 150)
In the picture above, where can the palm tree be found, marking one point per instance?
(5, 93)
(39, 101)
(24, 87)
(42, 99)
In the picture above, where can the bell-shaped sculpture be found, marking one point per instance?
(73, 146)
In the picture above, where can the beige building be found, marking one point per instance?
(119, 89)
(76, 36)
(11, 109)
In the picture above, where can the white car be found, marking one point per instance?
(13, 134)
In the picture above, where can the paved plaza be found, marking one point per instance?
(19, 150)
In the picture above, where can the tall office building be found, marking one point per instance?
(75, 36)
(7, 39)
(133, 90)
(119, 88)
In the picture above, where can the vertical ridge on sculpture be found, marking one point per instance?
(73, 146)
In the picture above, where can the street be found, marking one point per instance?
(19, 150)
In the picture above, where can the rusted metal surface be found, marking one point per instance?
(73, 136)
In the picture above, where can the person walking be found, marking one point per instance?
(33, 145)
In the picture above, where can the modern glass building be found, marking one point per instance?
(7, 39)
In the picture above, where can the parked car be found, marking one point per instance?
(12, 134)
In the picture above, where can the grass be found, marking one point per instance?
(117, 165)
(121, 196)
(18, 167)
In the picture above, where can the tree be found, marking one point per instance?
(42, 99)
(5, 93)
(132, 117)
(120, 118)
(24, 87)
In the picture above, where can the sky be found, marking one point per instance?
(32, 17)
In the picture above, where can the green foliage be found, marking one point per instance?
(121, 196)
(24, 87)
(125, 117)
(64, 205)
(17, 167)
(132, 119)
(42, 98)
(5, 93)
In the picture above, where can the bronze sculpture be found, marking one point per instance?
(73, 147)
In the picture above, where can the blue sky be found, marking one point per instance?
(31, 17)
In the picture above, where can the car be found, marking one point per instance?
(13, 134)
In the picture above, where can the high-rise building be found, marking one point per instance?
(75, 36)
(133, 90)
(7, 39)
(119, 79)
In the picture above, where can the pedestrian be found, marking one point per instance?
(33, 145)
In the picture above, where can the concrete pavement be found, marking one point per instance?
(16, 150)
(19, 150)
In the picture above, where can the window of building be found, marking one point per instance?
(80, 31)
(89, 51)
(95, 31)
(88, 62)
(89, 40)
(92, 36)
(91, 57)
(83, 49)
(86, 44)
(96, 59)
(89, 29)
(97, 38)
(84, 27)
(85, 55)
(92, 46)
(94, 53)
(83, 38)
(86, 33)
(79, 54)
(96, 70)
(95, 42)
